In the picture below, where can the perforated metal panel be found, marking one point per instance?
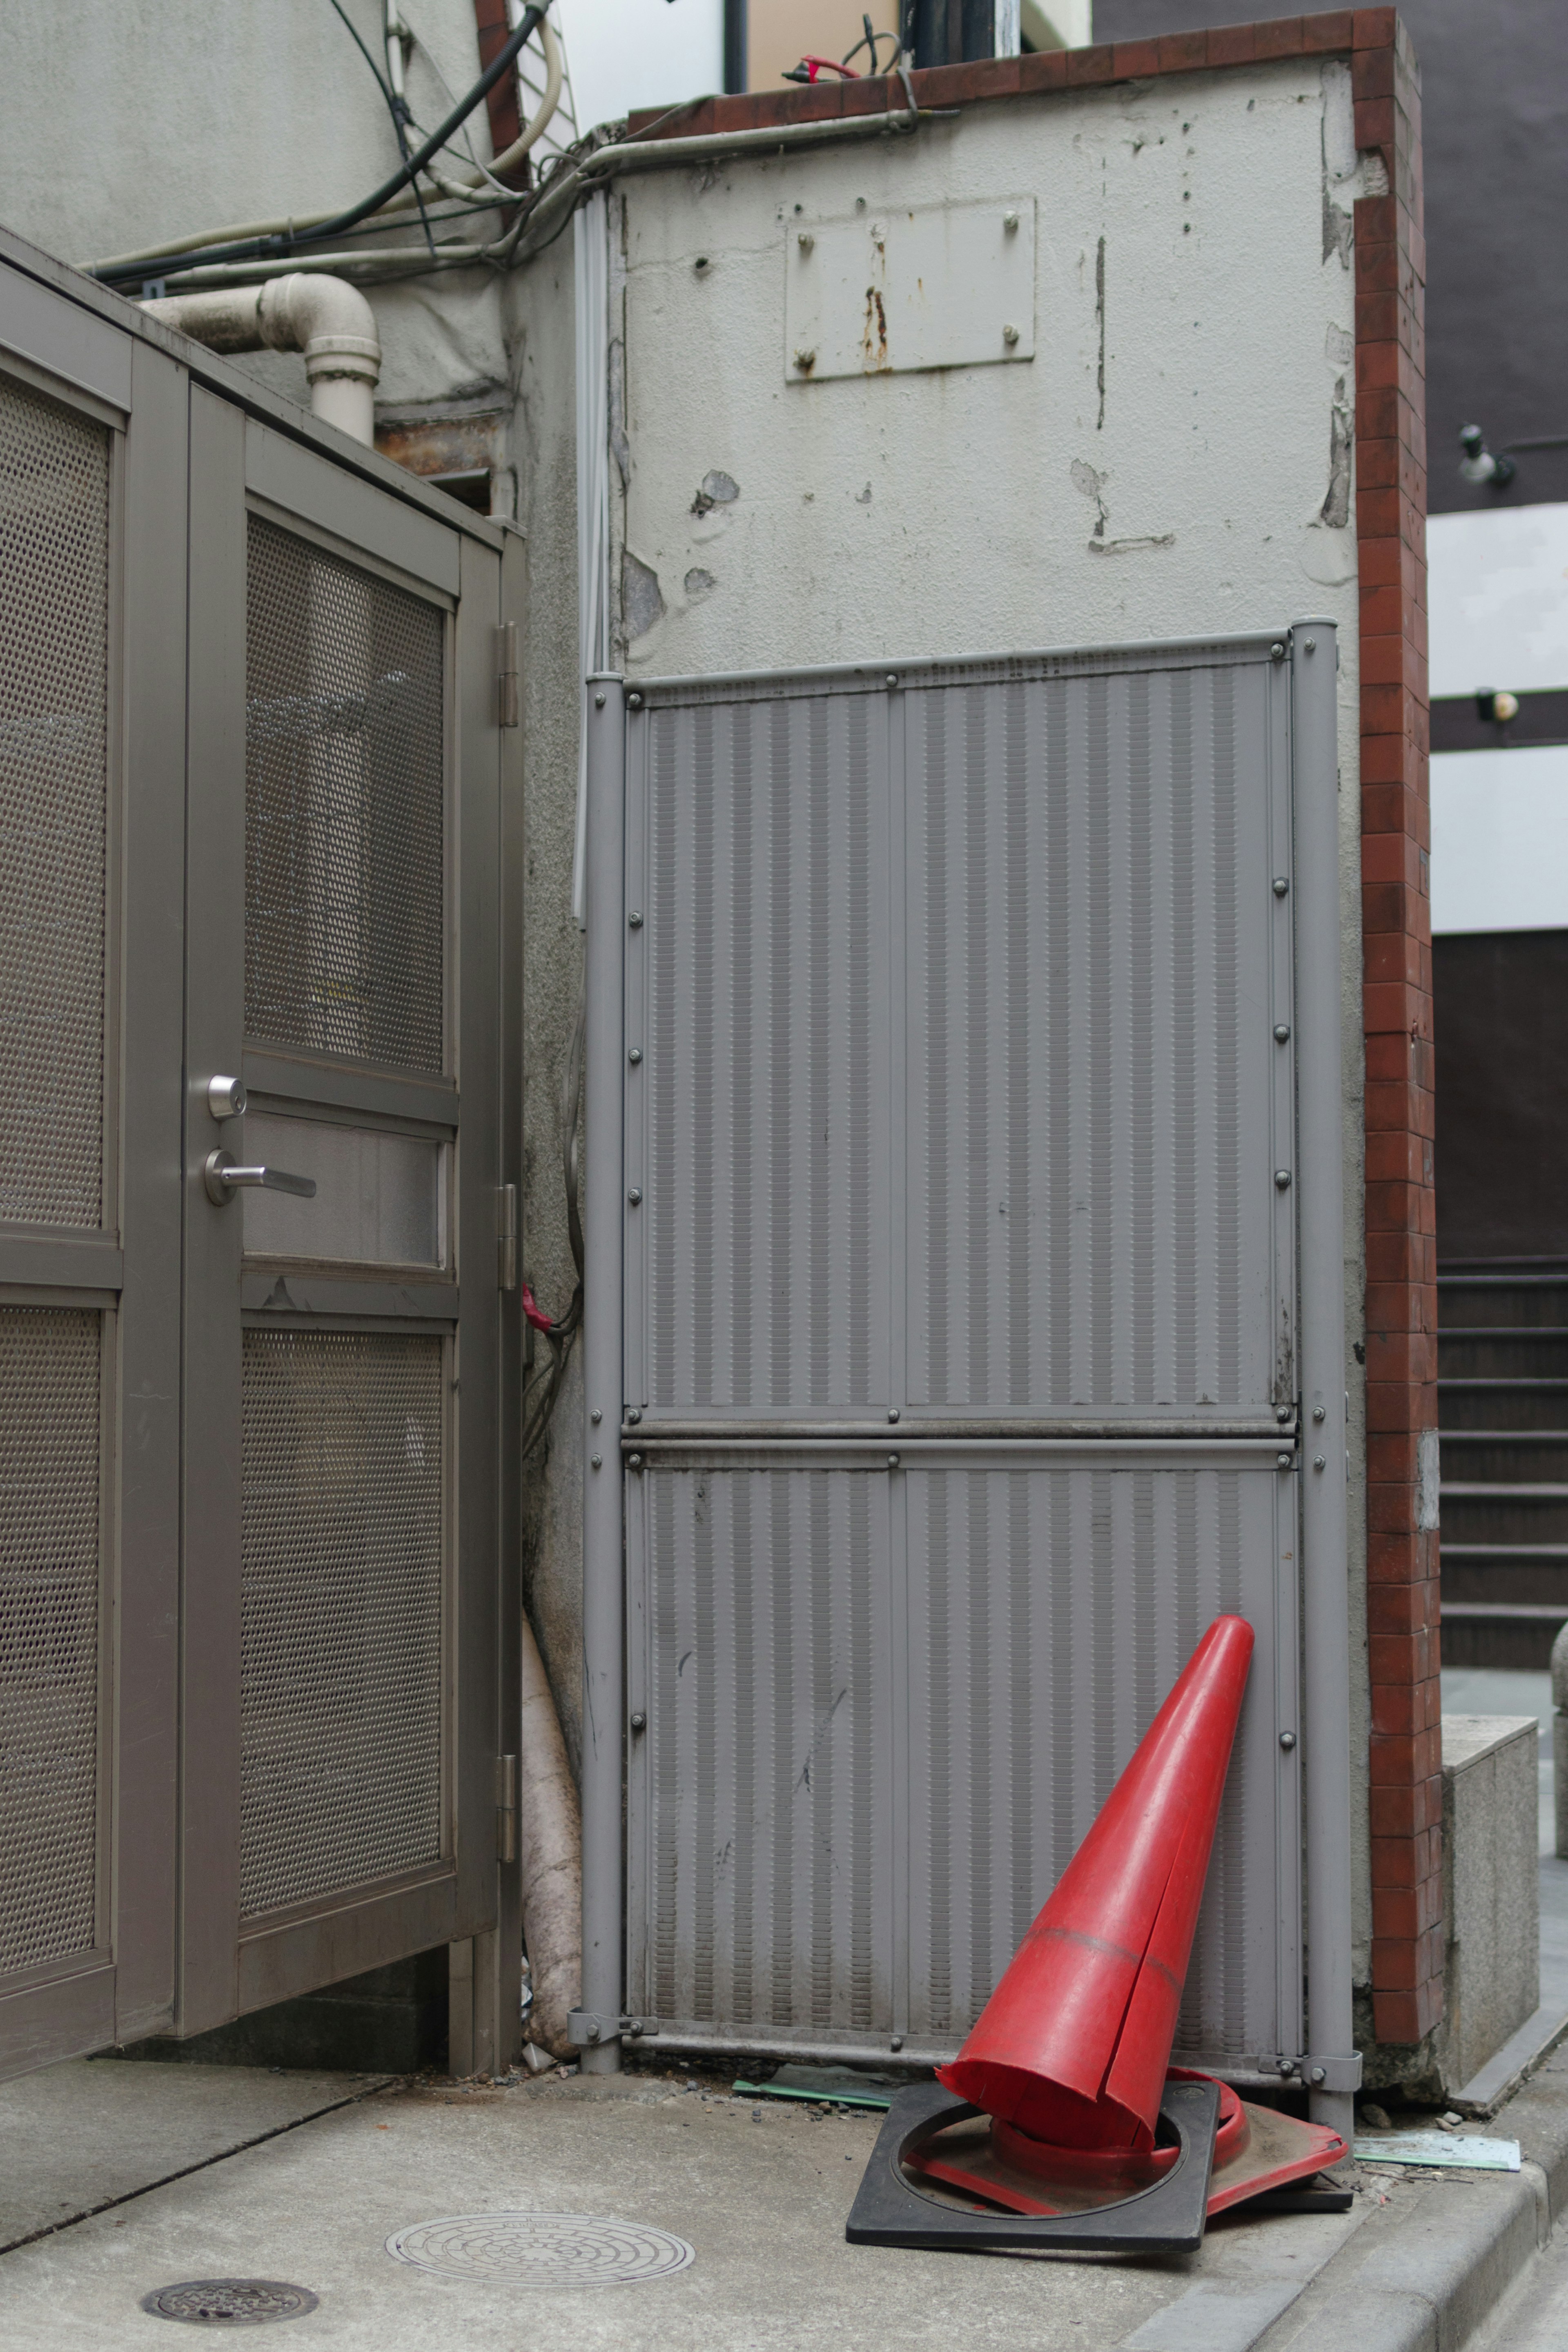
(49, 1610)
(54, 701)
(345, 823)
(342, 1608)
(1089, 1058)
(960, 1076)
(767, 892)
(955, 1086)
(768, 1768)
(1050, 1613)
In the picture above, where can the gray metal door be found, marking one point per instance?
(961, 1370)
(91, 492)
(343, 1647)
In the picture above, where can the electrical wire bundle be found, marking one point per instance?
(257, 249)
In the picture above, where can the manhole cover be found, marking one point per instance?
(229, 2302)
(542, 2249)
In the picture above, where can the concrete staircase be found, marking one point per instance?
(1502, 1414)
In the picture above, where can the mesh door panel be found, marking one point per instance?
(54, 701)
(48, 1632)
(345, 908)
(340, 1679)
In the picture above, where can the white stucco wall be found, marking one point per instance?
(956, 510)
(1174, 459)
(161, 119)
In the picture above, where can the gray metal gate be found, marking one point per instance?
(961, 1355)
(258, 821)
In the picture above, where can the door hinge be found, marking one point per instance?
(506, 674)
(506, 1808)
(507, 1237)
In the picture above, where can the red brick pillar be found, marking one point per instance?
(501, 99)
(1406, 1763)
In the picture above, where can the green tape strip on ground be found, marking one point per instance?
(813, 2098)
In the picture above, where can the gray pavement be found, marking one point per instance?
(761, 2192)
(77, 2138)
(1534, 2318)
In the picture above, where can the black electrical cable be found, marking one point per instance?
(280, 246)
(353, 32)
(396, 107)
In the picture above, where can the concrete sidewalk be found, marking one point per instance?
(761, 2191)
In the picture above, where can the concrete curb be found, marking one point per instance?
(1431, 2267)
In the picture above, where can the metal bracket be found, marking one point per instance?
(1316, 2073)
(505, 1809)
(507, 1237)
(506, 713)
(585, 2031)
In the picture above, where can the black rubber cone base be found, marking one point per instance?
(1166, 2218)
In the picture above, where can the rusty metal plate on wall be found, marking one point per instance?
(892, 289)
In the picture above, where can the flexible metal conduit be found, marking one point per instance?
(328, 320)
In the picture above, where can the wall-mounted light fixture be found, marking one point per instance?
(1479, 464)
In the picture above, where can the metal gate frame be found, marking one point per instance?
(1308, 655)
(193, 437)
(243, 469)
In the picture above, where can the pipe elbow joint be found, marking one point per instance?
(333, 325)
(328, 320)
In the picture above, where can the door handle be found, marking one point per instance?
(223, 1179)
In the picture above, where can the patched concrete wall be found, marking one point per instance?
(1177, 457)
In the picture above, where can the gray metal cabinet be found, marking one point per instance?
(960, 1345)
(257, 1661)
(92, 450)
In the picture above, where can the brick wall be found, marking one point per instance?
(501, 99)
(1404, 1762)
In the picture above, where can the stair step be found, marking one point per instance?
(1513, 1457)
(1557, 1612)
(1505, 1575)
(1503, 1352)
(1474, 1514)
(1486, 1403)
(1522, 1304)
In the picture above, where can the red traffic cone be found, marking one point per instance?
(1073, 2044)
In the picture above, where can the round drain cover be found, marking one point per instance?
(542, 2249)
(229, 2302)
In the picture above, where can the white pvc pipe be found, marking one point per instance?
(325, 318)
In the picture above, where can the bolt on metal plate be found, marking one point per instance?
(229, 2302)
